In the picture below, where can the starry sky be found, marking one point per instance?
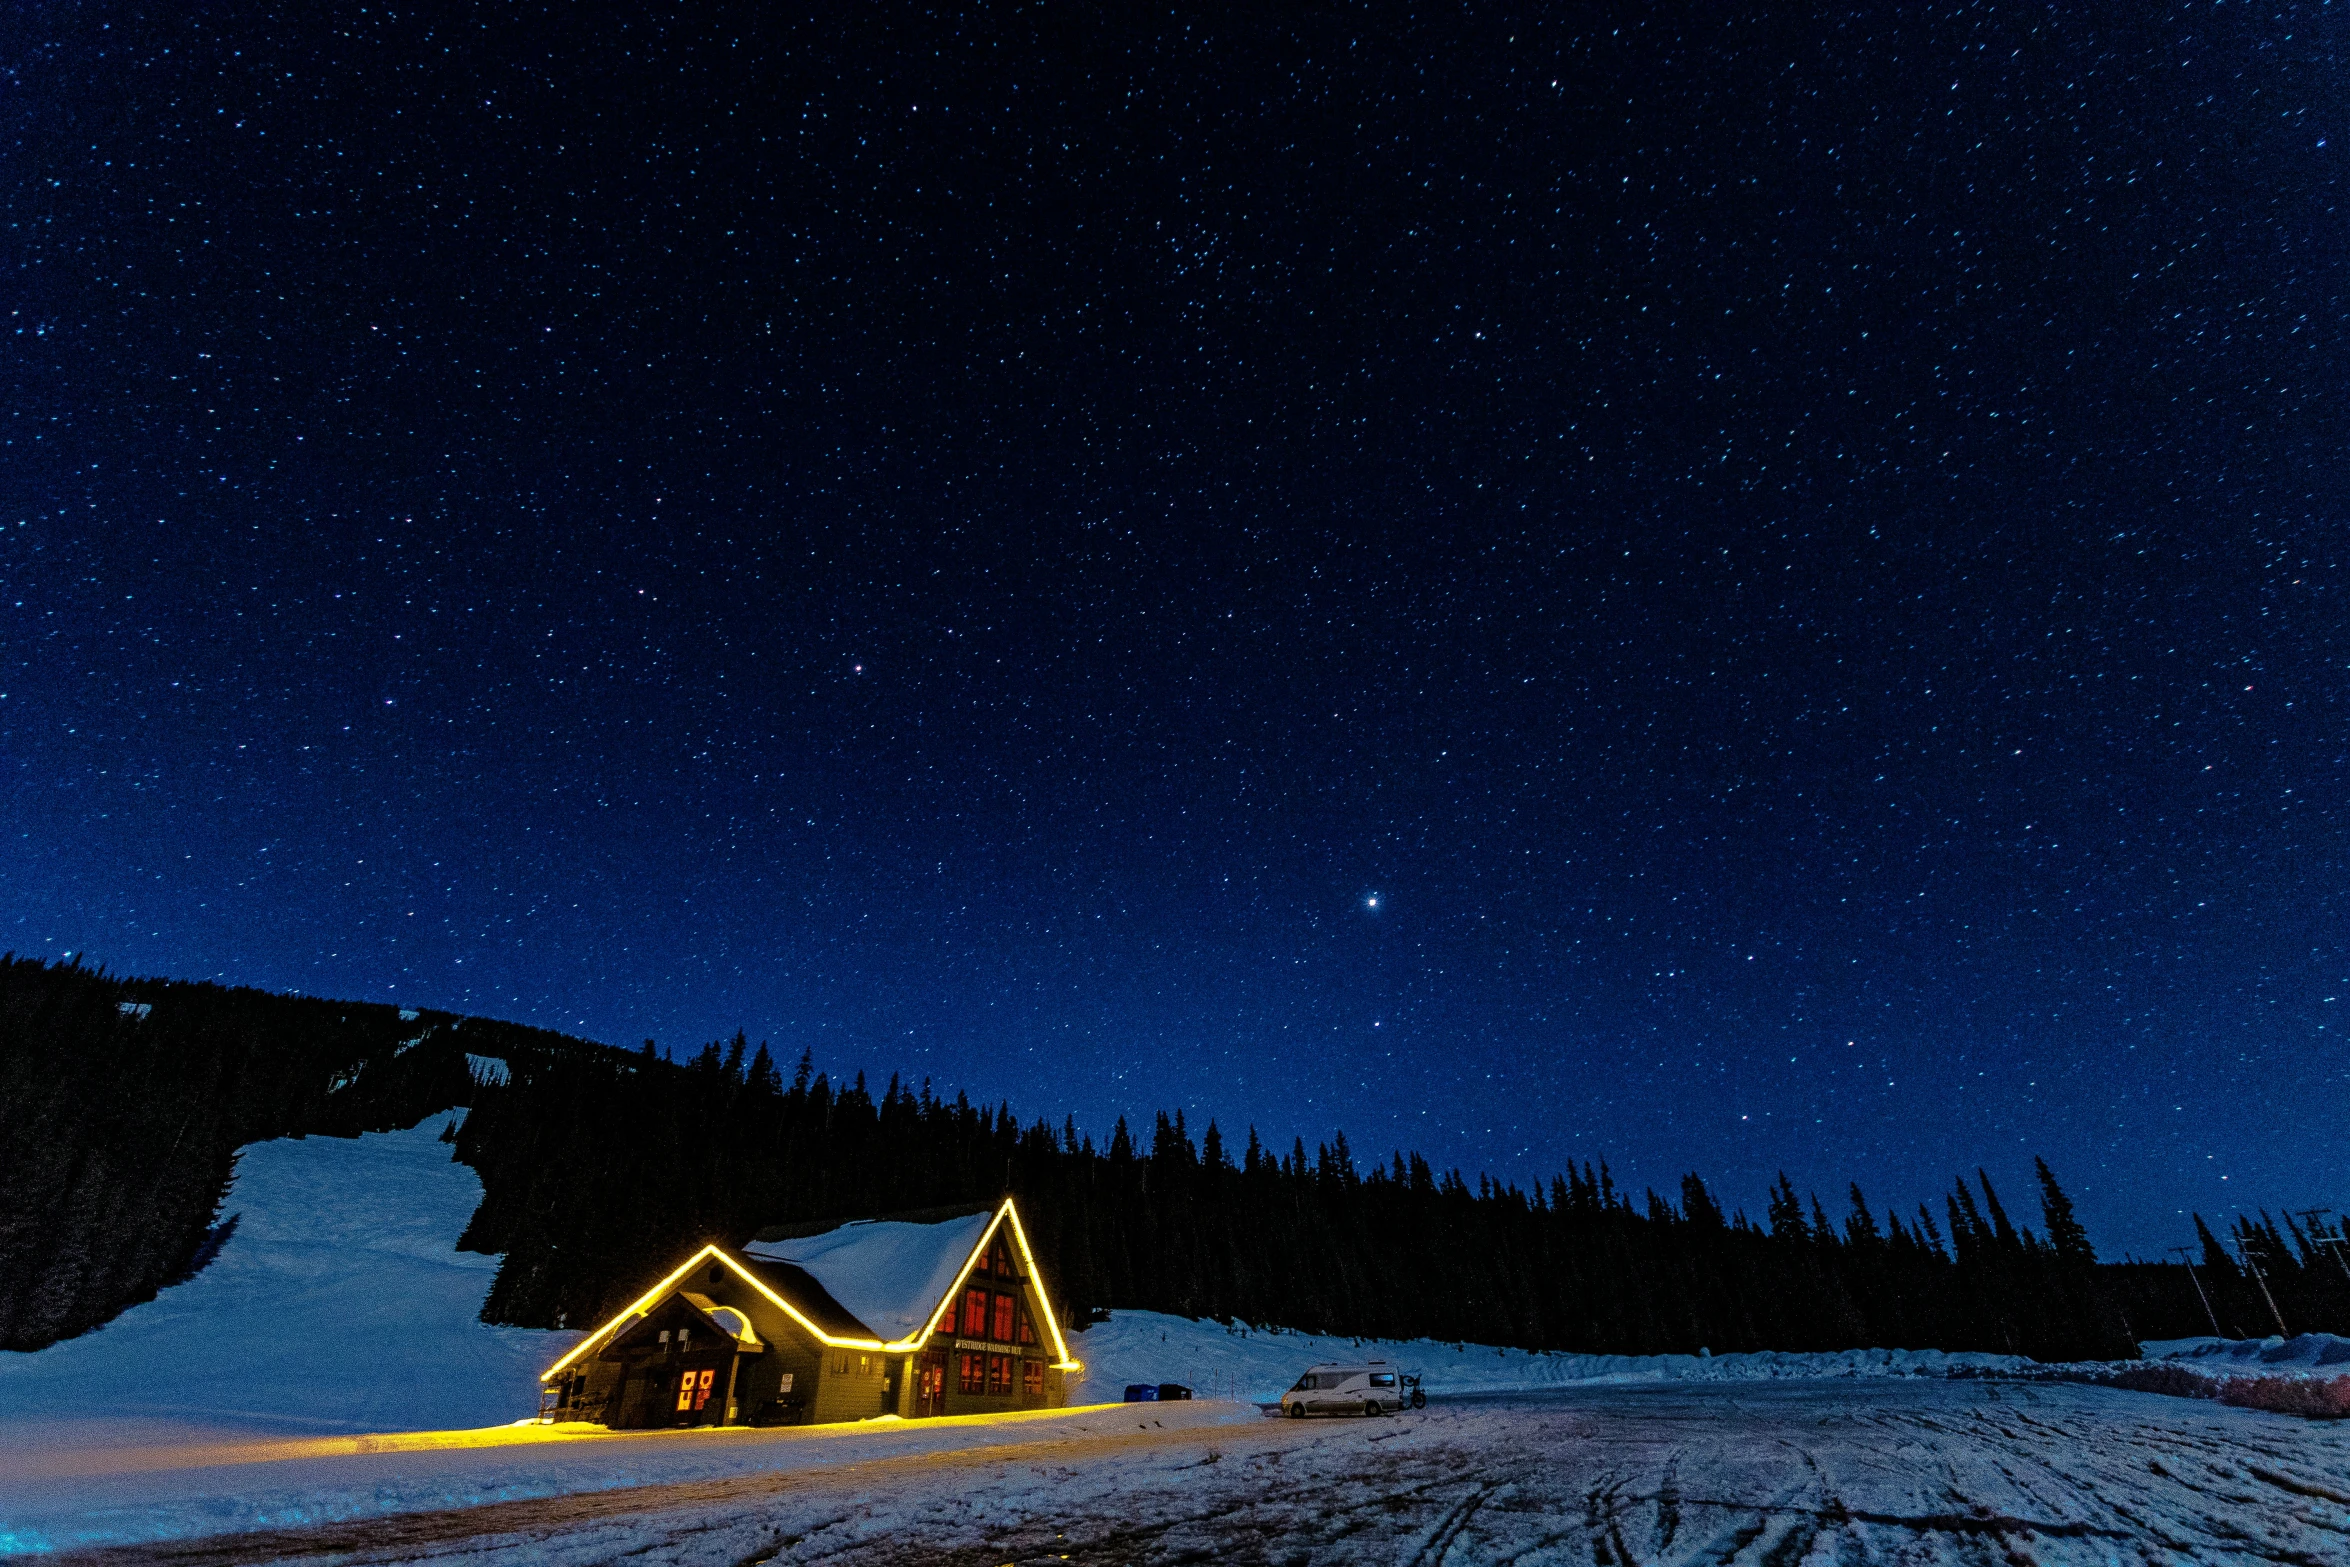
(1737, 592)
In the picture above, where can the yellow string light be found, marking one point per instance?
(938, 1320)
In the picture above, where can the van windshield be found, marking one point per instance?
(1305, 1384)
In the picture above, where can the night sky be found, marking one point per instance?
(1732, 594)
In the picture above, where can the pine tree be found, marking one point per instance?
(2065, 1234)
(2215, 1256)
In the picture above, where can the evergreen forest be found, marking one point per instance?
(122, 1103)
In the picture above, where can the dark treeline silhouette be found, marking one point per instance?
(600, 1168)
(600, 1172)
(2281, 1276)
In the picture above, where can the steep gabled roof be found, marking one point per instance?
(891, 1276)
(873, 1285)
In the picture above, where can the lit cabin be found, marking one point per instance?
(842, 1322)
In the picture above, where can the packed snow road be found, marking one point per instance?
(1909, 1471)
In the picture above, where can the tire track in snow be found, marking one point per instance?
(1908, 1473)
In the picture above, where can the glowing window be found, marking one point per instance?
(1001, 1328)
(999, 1373)
(970, 1373)
(975, 1314)
(1032, 1378)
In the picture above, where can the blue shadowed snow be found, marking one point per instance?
(339, 1304)
(1255, 1364)
(2303, 1355)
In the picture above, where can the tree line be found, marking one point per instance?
(599, 1173)
(600, 1168)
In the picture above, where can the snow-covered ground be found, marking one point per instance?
(228, 1406)
(1255, 1364)
(1915, 1470)
(340, 1304)
(78, 1497)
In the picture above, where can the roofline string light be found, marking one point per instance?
(938, 1319)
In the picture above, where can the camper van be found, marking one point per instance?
(1376, 1387)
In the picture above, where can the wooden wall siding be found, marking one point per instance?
(850, 1388)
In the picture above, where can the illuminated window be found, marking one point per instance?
(975, 1314)
(969, 1374)
(1032, 1378)
(685, 1392)
(1027, 1327)
(1001, 1328)
(999, 1373)
(1003, 1259)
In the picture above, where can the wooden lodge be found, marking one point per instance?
(842, 1322)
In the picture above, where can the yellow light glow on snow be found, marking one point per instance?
(831, 1340)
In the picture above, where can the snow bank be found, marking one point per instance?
(340, 1304)
(2303, 1355)
(1257, 1363)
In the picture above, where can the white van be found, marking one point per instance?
(1376, 1387)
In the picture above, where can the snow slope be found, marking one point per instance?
(340, 1304)
(1255, 1364)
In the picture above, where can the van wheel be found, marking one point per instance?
(1297, 1411)
(1371, 1407)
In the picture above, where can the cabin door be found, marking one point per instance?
(698, 1396)
(930, 1384)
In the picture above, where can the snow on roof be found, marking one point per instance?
(889, 1274)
